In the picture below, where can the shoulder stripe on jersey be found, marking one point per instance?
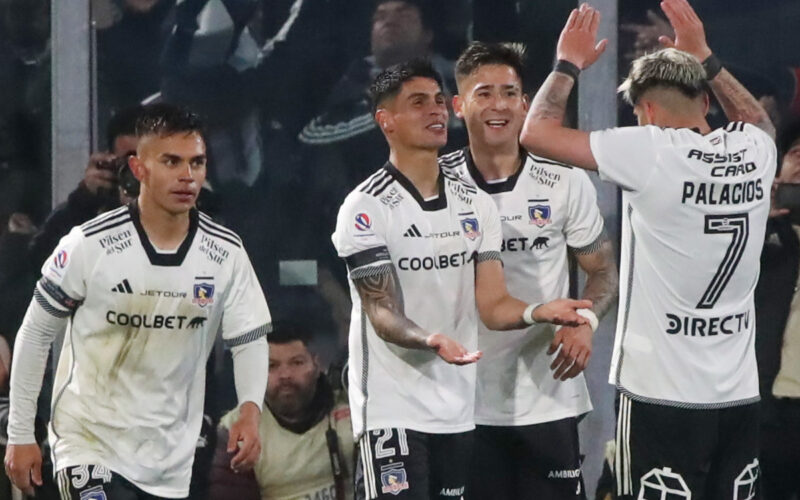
(250, 336)
(452, 159)
(741, 128)
(53, 311)
(380, 189)
(219, 227)
(107, 217)
(539, 159)
(57, 294)
(211, 232)
(735, 127)
(373, 180)
(378, 182)
(106, 227)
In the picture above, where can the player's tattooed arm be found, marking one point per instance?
(544, 133)
(739, 104)
(602, 277)
(382, 300)
(736, 101)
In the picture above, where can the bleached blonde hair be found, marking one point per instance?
(667, 68)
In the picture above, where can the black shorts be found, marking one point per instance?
(704, 454)
(406, 464)
(540, 461)
(95, 482)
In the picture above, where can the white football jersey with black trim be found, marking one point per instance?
(544, 208)
(694, 212)
(129, 387)
(433, 245)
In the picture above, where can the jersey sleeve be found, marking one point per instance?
(246, 316)
(359, 237)
(626, 156)
(62, 286)
(584, 223)
(492, 237)
(765, 145)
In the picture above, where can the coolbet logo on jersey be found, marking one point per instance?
(362, 222)
(203, 293)
(470, 227)
(539, 214)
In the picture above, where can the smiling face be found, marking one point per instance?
(417, 116)
(492, 105)
(171, 170)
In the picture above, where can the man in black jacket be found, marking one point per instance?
(778, 339)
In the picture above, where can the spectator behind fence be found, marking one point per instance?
(345, 141)
(305, 429)
(100, 189)
(778, 326)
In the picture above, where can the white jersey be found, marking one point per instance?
(544, 208)
(694, 212)
(433, 245)
(129, 387)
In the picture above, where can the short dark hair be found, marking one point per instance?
(123, 122)
(389, 81)
(285, 332)
(479, 54)
(167, 119)
(424, 7)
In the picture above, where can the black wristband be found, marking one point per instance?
(566, 67)
(713, 66)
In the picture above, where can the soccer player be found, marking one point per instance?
(142, 291)
(526, 439)
(423, 249)
(694, 209)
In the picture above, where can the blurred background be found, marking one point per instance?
(282, 87)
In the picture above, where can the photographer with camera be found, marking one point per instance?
(99, 191)
(777, 304)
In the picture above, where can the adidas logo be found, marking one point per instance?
(413, 232)
(123, 287)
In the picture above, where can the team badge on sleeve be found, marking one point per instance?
(470, 227)
(203, 292)
(95, 493)
(539, 214)
(393, 478)
(60, 260)
(363, 222)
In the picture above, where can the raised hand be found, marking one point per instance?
(689, 33)
(577, 41)
(451, 351)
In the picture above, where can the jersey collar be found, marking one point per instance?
(437, 204)
(164, 259)
(494, 187)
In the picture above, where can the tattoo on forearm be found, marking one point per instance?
(738, 103)
(550, 102)
(382, 300)
(602, 284)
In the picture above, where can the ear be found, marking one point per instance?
(137, 167)
(526, 102)
(384, 120)
(650, 110)
(458, 106)
(706, 103)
